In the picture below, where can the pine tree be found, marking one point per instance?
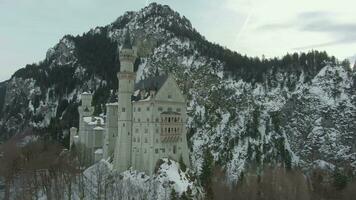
(174, 195)
(182, 165)
(207, 173)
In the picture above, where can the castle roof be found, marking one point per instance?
(152, 83)
(143, 87)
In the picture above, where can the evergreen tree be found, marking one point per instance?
(340, 179)
(207, 173)
(174, 195)
(182, 165)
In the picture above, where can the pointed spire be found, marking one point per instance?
(127, 42)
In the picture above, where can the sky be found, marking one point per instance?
(28, 28)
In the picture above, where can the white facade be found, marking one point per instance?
(147, 124)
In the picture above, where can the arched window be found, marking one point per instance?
(128, 133)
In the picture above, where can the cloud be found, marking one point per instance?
(320, 22)
(276, 26)
(315, 14)
(346, 40)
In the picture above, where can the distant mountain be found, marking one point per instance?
(298, 110)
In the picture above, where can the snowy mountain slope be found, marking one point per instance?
(291, 111)
(136, 185)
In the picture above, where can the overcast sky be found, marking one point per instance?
(253, 27)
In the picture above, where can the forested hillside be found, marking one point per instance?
(294, 111)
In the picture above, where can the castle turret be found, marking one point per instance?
(126, 77)
(85, 110)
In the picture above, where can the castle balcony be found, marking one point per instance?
(171, 127)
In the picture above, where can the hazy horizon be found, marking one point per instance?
(253, 27)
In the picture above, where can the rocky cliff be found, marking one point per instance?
(298, 110)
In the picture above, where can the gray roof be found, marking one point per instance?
(152, 83)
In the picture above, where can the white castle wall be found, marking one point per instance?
(110, 135)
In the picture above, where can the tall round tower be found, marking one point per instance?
(126, 77)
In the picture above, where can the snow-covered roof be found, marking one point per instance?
(93, 120)
(112, 104)
(98, 128)
(99, 151)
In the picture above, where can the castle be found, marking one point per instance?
(146, 124)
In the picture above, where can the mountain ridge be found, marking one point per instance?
(240, 108)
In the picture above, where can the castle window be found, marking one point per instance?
(169, 119)
(148, 120)
(169, 109)
(136, 130)
(148, 108)
(178, 110)
(169, 96)
(128, 133)
(156, 150)
(123, 124)
(139, 109)
(169, 130)
(138, 120)
(123, 109)
(157, 120)
(157, 130)
(163, 150)
(174, 149)
(156, 140)
(160, 108)
(145, 151)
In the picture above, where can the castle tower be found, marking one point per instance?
(126, 77)
(85, 110)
